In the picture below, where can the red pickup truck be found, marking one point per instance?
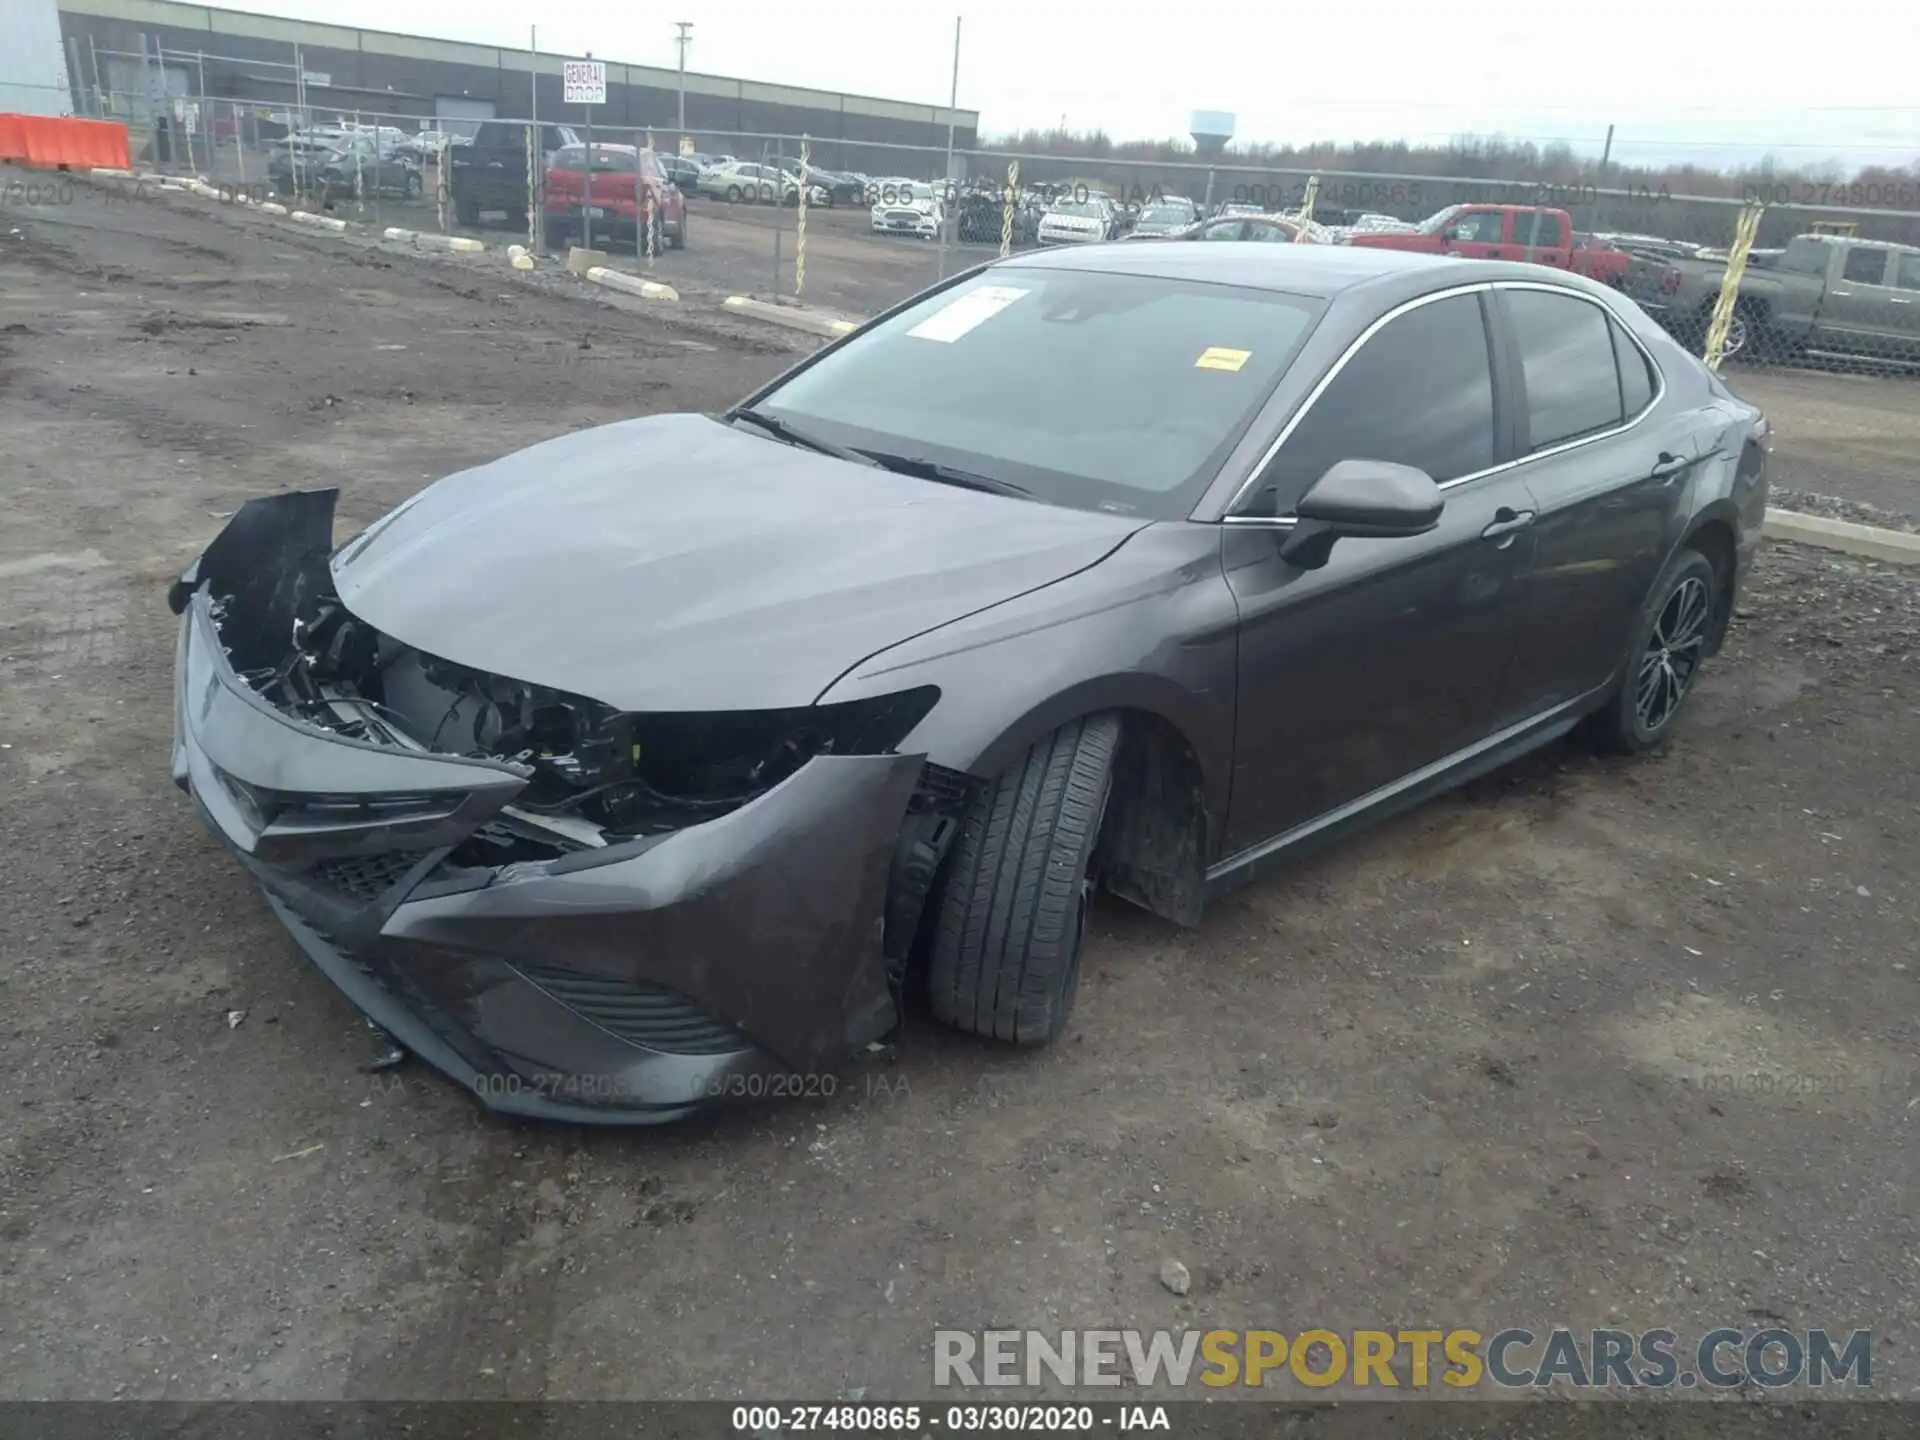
(1506, 232)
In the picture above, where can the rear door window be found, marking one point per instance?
(1567, 360)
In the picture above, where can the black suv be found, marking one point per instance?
(489, 172)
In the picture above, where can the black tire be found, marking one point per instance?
(413, 184)
(467, 211)
(679, 240)
(1005, 959)
(733, 194)
(554, 234)
(1624, 724)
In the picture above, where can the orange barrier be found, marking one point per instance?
(57, 140)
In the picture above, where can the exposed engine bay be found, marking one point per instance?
(599, 774)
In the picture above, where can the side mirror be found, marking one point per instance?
(1364, 499)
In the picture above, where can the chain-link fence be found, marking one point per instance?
(1749, 268)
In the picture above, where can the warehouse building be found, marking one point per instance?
(33, 73)
(127, 55)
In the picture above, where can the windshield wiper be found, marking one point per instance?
(922, 468)
(793, 435)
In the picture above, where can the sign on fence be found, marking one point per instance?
(584, 82)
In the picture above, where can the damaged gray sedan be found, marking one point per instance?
(660, 762)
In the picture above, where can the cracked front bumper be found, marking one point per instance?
(620, 985)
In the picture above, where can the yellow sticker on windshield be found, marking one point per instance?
(1219, 359)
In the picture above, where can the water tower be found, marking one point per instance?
(1211, 130)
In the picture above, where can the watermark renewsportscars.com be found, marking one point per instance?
(1400, 1359)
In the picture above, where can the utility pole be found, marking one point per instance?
(685, 27)
(945, 191)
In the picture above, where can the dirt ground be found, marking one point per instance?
(1594, 1042)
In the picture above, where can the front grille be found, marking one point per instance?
(638, 1012)
(366, 878)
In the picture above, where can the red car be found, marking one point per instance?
(629, 195)
(1506, 232)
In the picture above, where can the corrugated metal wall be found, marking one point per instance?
(33, 63)
(249, 57)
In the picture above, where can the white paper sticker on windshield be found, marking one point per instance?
(957, 317)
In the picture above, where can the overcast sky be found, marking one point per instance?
(1705, 82)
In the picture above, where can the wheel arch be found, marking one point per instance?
(1168, 800)
(1714, 534)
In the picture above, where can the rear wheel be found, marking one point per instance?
(1006, 944)
(1670, 642)
(467, 211)
(680, 232)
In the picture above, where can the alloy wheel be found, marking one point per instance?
(1673, 654)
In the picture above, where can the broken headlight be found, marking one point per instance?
(641, 774)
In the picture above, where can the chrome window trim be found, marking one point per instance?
(1475, 288)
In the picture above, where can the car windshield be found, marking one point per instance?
(1089, 389)
(1161, 213)
(1434, 224)
(1080, 207)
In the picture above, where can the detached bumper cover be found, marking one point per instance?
(617, 985)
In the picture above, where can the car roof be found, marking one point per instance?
(1320, 270)
(1316, 271)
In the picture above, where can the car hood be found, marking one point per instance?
(678, 563)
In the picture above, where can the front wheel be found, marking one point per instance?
(1005, 957)
(1670, 641)
(733, 194)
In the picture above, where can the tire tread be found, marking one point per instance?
(1007, 927)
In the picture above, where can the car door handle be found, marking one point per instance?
(1669, 466)
(1506, 521)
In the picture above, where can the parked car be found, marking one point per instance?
(1077, 222)
(910, 209)
(981, 215)
(1165, 217)
(489, 170)
(681, 170)
(740, 182)
(1538, 233)
(831, 186)
(1281, 229)
(629, 195)
(425, 145)
(356, 168)
(680, 750)
(1831, 293)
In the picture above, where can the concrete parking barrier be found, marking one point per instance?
(426, 240)
(272, 207)
(519, 257)
(323, 222)
(631, 284)
(109, 173)
(814, 322)
(1897, 546)
(394, 232)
